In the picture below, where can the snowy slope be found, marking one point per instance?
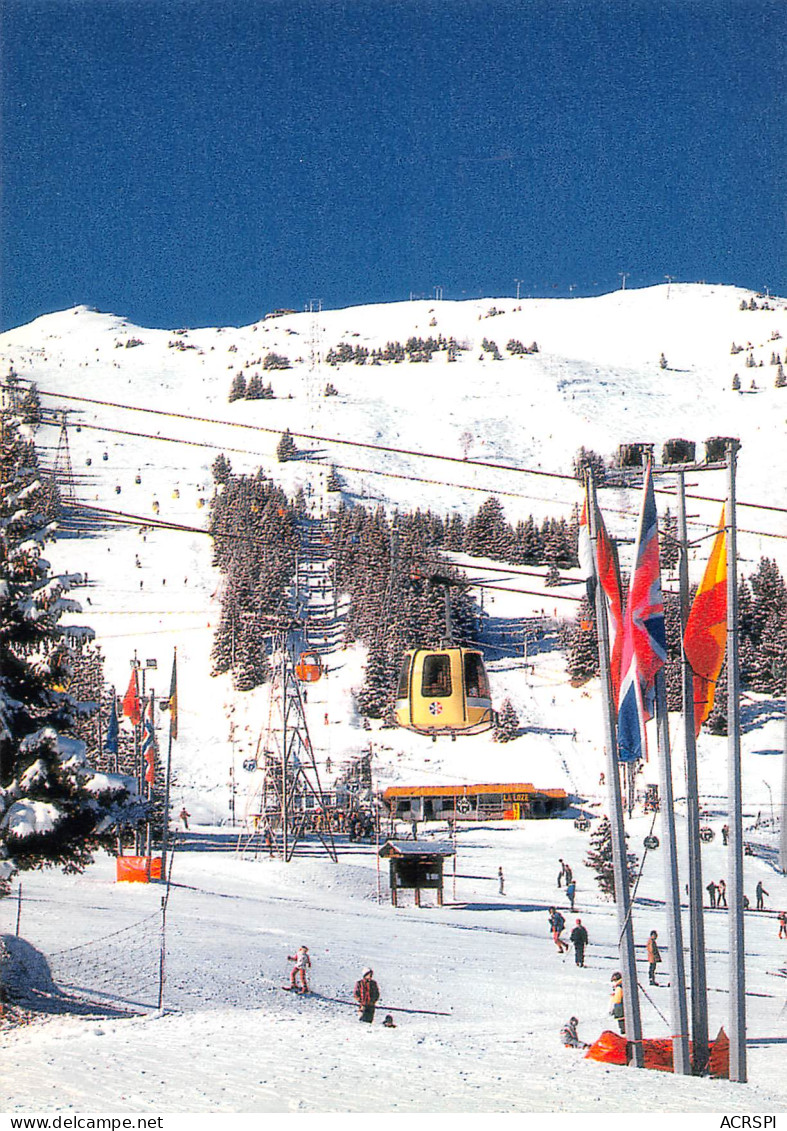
(596, 382)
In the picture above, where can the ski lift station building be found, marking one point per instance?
(512, 801)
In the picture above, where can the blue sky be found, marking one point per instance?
(199, 162)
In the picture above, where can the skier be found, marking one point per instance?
(570, 1037)
(579, 937)
(616, 1001)
(711, 890)
(302, 963)
(721, 896)
(571, 890)
(501, 882)
(367, 994)
(557, 924)
(760, 892)
(184, 816)
(654, 957)
(725, 834)
(783, 924)
(565, 873)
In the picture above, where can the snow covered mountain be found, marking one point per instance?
(148, 412)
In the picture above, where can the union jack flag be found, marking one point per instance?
(644, 645)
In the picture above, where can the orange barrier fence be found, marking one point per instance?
(612, 1048)
(138, 869)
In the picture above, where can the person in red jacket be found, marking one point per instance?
(367, 994)
(298, 973)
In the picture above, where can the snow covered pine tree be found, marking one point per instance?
(54, 808)
(599, 858)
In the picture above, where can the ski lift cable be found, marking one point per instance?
(421, 479)
(361, 444)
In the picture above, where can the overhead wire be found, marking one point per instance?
(119, 516)
(356, 444)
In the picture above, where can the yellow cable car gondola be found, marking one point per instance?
(444, 691)
(309, 667)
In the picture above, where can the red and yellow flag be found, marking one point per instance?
(706, 629)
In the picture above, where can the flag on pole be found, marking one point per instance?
(609, 576)
(585, 553)
(171, 704)
(131, 705)
(149, 743)
(644, 644)
(607, 570)
(113, 729)
(705, 638)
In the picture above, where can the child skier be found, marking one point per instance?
(302, 963)
(570, 1037)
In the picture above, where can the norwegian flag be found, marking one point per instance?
(149, 744)
(644, 644)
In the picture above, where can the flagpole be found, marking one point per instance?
(735, 851)
(783, 837)
(680, 1020)
(699, 983)
(173, 691)
(149, 829)
(137, 758)
(633, 1022)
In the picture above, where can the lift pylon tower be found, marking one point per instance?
(288, 789)
(63, 472)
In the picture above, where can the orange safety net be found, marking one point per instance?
(611, 1048)
(138, 869)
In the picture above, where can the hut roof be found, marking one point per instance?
(417, 848)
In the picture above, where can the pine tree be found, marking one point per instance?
(552, 577)
(54, 808)
(286, 448)
(669, 549)
(254, 389)
(762, 617)
(488, 534)
(507, 726)
(599, 858)
(237, 388)
(581, 644)
(276, 361)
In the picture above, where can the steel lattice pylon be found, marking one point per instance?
(286, 771)
(63, 472)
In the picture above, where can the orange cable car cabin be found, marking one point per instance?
(309, 667)
(444, 691)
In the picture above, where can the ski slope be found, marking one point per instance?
(232, 1041)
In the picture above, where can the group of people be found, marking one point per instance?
(717, 893)
(366, 992)
(569, 1034)
(566, 876)
(578, 937)
(357, 825)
